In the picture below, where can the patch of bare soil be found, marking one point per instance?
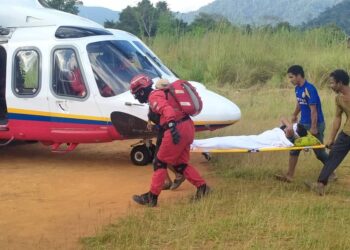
(49, 200)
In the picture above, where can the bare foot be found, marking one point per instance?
(284, 178)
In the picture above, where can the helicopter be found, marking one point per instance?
(64, 80)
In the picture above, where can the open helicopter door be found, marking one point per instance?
(75, 116)
(131, 127)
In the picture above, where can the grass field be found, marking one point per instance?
(236, 58)
(249, 209)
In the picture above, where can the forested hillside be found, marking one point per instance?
(337, 15)
(260, 12)
(98, 14)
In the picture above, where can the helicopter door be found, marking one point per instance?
(72, 105)
(3, 107)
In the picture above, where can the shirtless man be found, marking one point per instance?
(339, 82)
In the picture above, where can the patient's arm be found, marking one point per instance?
(285, 121)
(288, 130)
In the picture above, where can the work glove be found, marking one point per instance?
(174, 133)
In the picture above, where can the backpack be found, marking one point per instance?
(186, 96)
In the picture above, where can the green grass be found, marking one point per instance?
(248, 209)
(242, 60)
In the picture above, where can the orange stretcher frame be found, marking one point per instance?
(242, 150)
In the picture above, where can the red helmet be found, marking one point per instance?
(139, 82)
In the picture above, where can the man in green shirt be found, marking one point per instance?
(339, 82)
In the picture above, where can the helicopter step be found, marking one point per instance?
(6, 142)
(3, 125)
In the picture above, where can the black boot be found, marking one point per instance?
(202, 191)
(207, 156)
(167, 185)
(177, 182)
(147, 199)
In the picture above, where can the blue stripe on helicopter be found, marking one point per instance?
(40, 118)
(27, 117)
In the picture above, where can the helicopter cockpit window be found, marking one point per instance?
(67, 76)
(26, 70)
(115, 63)
(153, 57)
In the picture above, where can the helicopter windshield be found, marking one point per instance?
(115, 63)
(153, 57)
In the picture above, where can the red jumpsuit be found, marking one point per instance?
(176, 155)
(77, 83)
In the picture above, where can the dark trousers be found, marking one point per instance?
(338, 152)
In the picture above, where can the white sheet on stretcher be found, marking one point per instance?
(270, 138)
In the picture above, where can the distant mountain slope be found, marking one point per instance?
(339, 15)
(260, 12)
(98, 14)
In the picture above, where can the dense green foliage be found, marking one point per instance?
(64, 5)
(146, 20)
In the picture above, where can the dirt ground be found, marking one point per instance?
(50, 200)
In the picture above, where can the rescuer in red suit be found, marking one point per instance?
(77, 83)
(175, 147)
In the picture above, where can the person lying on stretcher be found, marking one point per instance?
(287, 135)
(298, 134)
(292, 131)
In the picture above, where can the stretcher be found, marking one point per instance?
(244, 150)
(268, 141)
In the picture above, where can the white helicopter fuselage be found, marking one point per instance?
(36, 52)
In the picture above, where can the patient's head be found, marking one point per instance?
(301, 130)
(298, 130)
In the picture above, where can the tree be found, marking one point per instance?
(147, 20)
(140, 20)
(205, 22)
(167, 23)
(110, 24)
(69, 6)
(127, 21)
(146, 16)
(162, 7)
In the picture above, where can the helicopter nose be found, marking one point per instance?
(218, 110)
